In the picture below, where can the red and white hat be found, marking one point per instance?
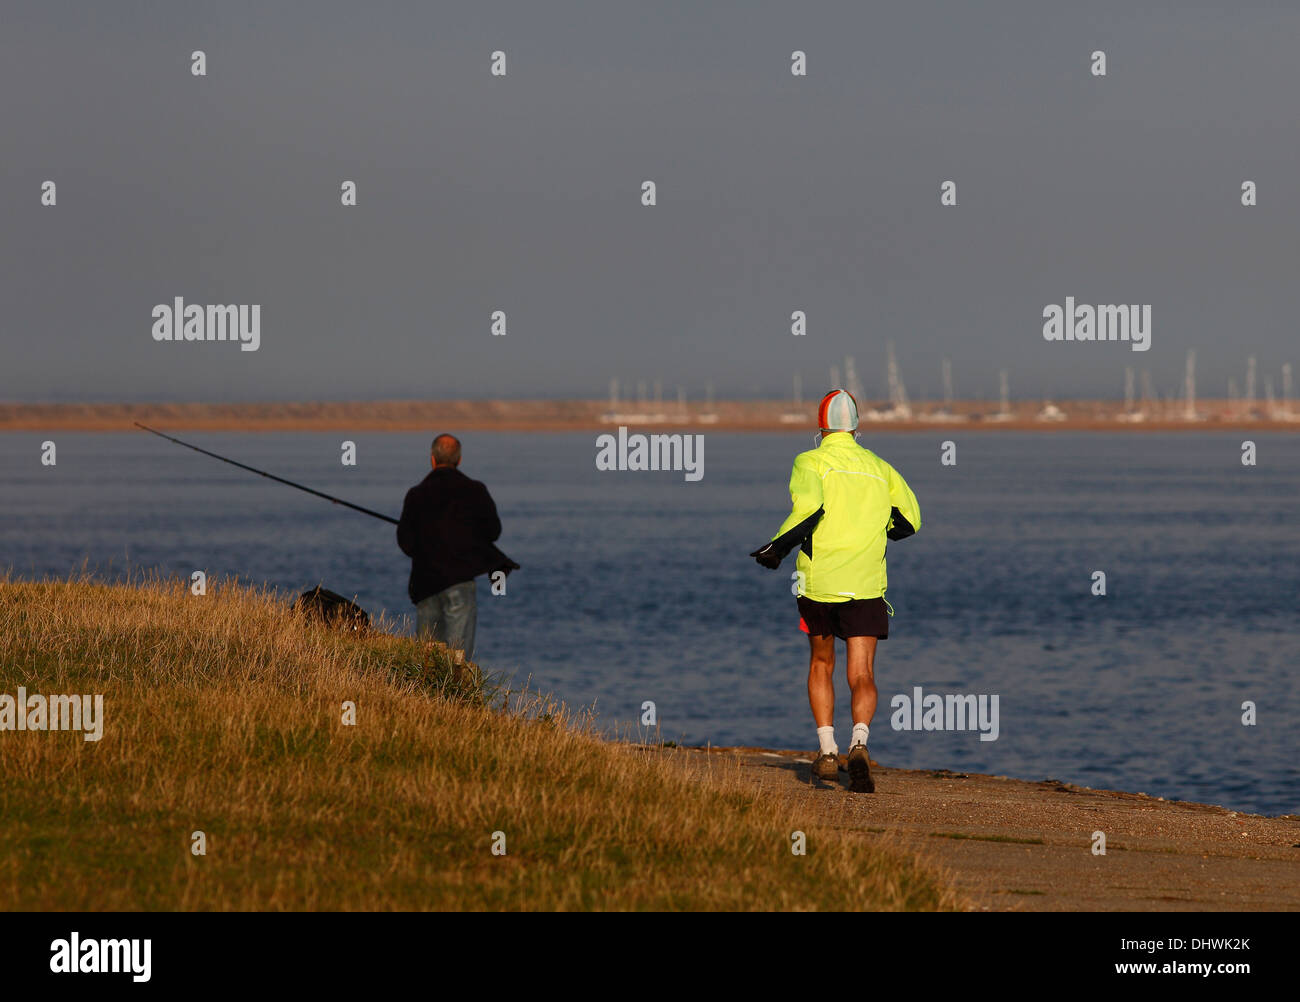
(838, 412)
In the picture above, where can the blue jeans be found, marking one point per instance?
(450, 616)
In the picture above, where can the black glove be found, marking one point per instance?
(899, 527)
(771, 555)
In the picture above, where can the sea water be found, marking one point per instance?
(636, 587)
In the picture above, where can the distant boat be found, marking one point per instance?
(1050, 412)
(899, 409)
(796, 416)
(1004, 412)
(659, 416)
(1129, 414)
(1190, 413)
(941, 415)
(944, 413)
(708, 417)
(612, 416)
(616, 416)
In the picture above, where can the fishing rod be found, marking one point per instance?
(272, 476)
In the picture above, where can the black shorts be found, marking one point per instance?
(858, 617)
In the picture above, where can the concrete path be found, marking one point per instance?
(1009, 844)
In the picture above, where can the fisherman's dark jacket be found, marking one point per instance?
(448, 527)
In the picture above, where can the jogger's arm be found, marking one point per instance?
(905, 517)
(806, 511)
(805, 494)
(773, 553)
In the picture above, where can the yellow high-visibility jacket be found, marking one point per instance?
(862, 502)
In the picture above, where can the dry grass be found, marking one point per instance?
(223, 714)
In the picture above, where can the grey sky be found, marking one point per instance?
(775, 193)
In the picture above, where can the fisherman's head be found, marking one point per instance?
(445, 452)
(838, 411)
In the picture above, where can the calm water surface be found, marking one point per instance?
(637, 586)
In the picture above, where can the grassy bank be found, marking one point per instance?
(223, 714)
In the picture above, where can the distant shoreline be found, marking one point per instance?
(598, 415)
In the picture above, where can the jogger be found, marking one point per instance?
(847, 503)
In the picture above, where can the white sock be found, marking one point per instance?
(860, 732)
(826, 738)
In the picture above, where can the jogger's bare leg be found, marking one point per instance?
(821, 685)
(862, 682)
(862, 678)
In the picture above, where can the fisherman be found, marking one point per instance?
(448, 527)
(847, 502)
